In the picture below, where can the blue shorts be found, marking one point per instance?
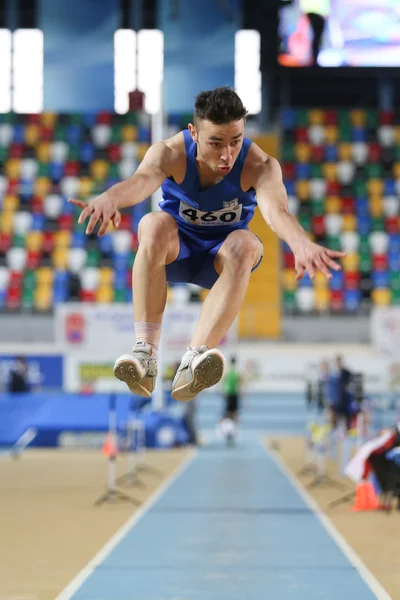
(195, 261)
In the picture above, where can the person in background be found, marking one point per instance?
(18, 378)
(342, 400)
(317, 12)
(323, 390)
(232, 388)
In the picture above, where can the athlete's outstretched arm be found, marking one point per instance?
(154, 168)
(273, 202)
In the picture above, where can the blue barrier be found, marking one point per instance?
(54, 414)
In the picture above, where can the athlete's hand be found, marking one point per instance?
(102, 209)
(311, 258)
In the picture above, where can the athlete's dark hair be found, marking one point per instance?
(219, 106)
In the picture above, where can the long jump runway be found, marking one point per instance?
(230, 526)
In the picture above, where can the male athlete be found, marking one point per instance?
(211, 177)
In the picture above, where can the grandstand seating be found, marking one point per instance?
(45, 256)
(342, 175)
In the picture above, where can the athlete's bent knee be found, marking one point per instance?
(156, 230)
(243, 248)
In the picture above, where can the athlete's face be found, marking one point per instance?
(218, 145)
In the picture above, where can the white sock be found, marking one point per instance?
(150, 334)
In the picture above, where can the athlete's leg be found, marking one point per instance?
(240, 252)
(202, 365)
(158, 246)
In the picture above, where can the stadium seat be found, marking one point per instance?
(305, 297)
(76, 259)
(4, 277)
(16, 259)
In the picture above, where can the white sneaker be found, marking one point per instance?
(138, 369)
(200, 368)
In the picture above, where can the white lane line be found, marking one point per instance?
(354, 559)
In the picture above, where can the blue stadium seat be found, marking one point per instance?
(79, 239)
(362, 208)
(394, 242)
(394, 260)
(364, 224)
(26, 188)
(89, 119)
(290, 188)
(352, 299)
(105, 243)
(358, 134)
(73, 134)
(380, 279)
(67, 208)
(303, 171)
(288, 119)
(56, 171)
(389, 188)
(121, 261)
(19, 134)
(87, 152)
(331, 153)
(120, 278)
(306, 281)
(38, 222)
(337, 281)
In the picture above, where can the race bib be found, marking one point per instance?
(225, 216)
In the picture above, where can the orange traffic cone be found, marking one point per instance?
(110, 448)
(366, 498)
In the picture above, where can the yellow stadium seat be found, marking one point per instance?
(62, 239)
(10, 202)
(59, 258)
(397, 133)
(106, 276)
(33, 240)
(129, 133)
(381, 297)
(12, 168)
(141, 150)
(32, 134)
(302, 151)
(350, 262)
(316, 117)
(104, 294)
(86, 186)
(375, 203)
(396, 170)
(345, 151)
(48, 119)
(6, 222)
(322, 298)
(320, 281)
(289, 282)
(44, 276)
(375, 186)
(330, 171)
(349, 223)
(43, 297)
(303, 189)
(99, 169)
(43, 152)
(357, 118)
(42, 186)
(333, 205)
(331, 134)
